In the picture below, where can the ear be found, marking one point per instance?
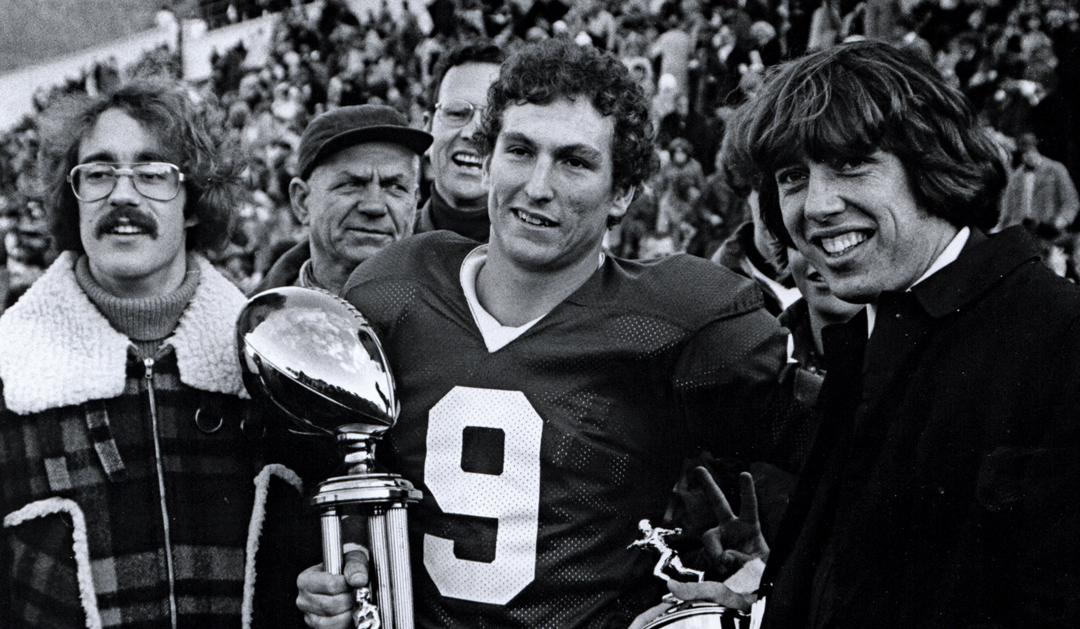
(409, 227)
(298, 193)
(427, 118)
(485, 172)
(191, 216)
(621, 201)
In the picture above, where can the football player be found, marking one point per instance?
(550, 391)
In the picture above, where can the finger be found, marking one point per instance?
(748, 510)
(317, 581)
(732, 560)
(339, 621)
(709, 591)
(322, 594)
(650, 615)
(713, 546)
(325, 605)
(356, 568)
(716, 497)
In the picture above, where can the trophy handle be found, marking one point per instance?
(331, 541)
(400, 575)
(380, 556)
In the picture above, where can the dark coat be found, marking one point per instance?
(286, 269)
(942, 488)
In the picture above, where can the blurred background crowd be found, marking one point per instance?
(1016, 60)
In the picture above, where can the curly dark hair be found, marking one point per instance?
(546, 71)
(846, 102)
(193, 132)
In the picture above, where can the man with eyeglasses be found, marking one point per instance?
(458, 199)
(356, 190)
(128, 454)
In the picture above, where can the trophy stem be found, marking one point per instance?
(380, 556)
(331, 541)
(400, 581)
(358, 450)
(381, 499)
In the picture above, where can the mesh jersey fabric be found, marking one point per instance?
(538, 460)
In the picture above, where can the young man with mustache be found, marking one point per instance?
(130, 463)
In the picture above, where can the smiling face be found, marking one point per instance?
(356, 202)
(859, 225)
(455, 161)
(551, 185)
(135, 246)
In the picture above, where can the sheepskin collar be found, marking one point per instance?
(57, 349)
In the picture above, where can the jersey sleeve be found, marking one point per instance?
(726, 382)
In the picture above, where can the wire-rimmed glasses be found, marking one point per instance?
(94, 181)
(456, 112)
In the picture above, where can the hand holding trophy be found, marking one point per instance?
(317, 360)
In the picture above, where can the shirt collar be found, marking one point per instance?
(947, 256)
(306, 277)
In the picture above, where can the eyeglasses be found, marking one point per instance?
(159, 181)
(457, 113)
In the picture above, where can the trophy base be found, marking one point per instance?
(376, 490)
(701, 616)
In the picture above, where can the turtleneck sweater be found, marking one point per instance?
(473, 224)
(147, 321)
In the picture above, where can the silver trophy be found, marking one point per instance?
(317, 359)
(683, 614)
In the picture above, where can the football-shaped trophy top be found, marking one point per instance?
(317, 359)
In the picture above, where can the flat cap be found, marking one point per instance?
(343, 127)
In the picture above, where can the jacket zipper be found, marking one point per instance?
(148, 363)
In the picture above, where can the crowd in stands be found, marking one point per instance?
(696, 60)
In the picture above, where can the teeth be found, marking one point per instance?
(534, 220)
(467, 159)
(842, 243)
(126, 230)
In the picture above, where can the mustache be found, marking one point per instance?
(126, 216)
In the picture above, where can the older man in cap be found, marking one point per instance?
(356, 191)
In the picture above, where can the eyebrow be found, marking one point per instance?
(108, 156)
(585, 150)
(350, 177)
(521, 138)
(580, 150)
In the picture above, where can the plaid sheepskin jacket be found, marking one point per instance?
(132, 492)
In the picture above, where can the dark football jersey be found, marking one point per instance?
(537, 461)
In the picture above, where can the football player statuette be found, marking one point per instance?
(316, 359)
(683, 615)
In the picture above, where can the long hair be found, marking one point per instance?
(544, 72)
(194, 134)
(851, 100)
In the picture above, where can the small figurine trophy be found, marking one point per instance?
(316, 359)
(654, 538)
(683, 615)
